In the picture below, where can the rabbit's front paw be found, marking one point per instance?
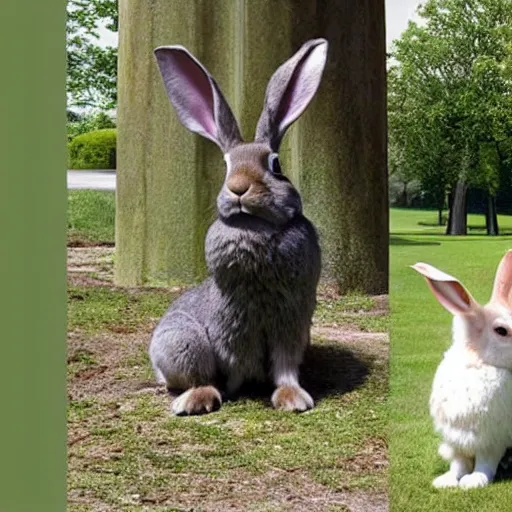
(449, 479)
(473, 480)
(200, 400)
(291, 398)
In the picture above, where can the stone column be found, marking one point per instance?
(167, 177)
(342, 143)
(335, 154)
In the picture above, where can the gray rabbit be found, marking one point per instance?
(250, 319)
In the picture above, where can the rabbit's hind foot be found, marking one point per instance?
(448, 479)
(474, 480)
(292, 398)
(459, 467)
(198, 400)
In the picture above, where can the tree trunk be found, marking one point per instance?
(335, 154)
(491, 217)
(403, 196)
(343, 147)
(457, 220)
(441, 200)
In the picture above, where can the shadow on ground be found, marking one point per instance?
(328, 370)
(505, 468)
(333, 370)
(449, 238)
(397, 240)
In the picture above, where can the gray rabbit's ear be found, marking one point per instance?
(290, 91)
(196, 97)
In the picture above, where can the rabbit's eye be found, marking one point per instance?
(501, 331)
(273, 163)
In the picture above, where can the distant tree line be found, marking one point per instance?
(450, 111)
(91, 68)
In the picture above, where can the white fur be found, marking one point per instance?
(227, 159)
(471, 404)
(471, 399)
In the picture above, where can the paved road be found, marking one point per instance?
(95, 180)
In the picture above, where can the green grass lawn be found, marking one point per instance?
(420, 333)
(126, 452)
(91, 217)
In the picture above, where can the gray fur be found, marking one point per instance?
(170, 60)
(255, 307)
(279, 90)
(250, 319)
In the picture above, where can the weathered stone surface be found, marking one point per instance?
(167, 177)
(336, 154)
(342, 145)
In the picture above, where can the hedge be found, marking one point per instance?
(79, 124)
(93, 150)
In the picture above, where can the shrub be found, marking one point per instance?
(80, 124)
(93, 150)
(73, 117)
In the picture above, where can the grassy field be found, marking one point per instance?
(125, 451)
(420, 333)
(91, 217)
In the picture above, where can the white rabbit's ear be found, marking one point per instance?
(196, 97)
(448, 291)
(290, 91)
(502, 290)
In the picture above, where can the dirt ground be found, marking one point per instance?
(117, 416)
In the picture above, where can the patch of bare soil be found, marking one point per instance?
(276, 490)
(112, 370)
(115, 365)
(90, 266)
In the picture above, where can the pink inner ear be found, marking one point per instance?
(451, 295)
(447, 290)
(503, 281)
(302, 87)
(192, 94)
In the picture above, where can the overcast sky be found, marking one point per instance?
(398, 13)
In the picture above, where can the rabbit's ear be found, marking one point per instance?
(502, 290)
(195, 95)
(448, 291)
(290, 91)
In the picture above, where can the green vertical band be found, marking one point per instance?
(33, 252)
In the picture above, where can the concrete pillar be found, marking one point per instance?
(342, 144)
(336, 154)
(167, 177)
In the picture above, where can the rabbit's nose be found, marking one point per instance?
(239, 184)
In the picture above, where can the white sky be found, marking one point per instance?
(398, 13)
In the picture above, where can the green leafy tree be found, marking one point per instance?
(450, 92)
(92, 69)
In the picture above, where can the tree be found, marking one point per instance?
(450, 92)
(420, 146)
(92, 69)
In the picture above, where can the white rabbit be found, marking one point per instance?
(471, 400)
